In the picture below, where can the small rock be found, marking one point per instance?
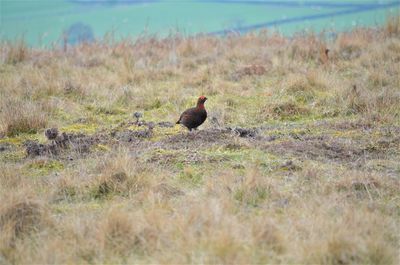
(290, 165)
(141, 123)
(62, 140)
(271, 138)
(5, 147)
(151, 125)
(51, 133)
(242, 132)
(129, 136)
(143, 134)
(214, 121)
(165, 124)
(137, 115)
(33, 148)
(81, 120)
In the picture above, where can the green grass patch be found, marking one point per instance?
(251, 196)
(42, 167)
(191, 175)
(80, 128)
(13, 156)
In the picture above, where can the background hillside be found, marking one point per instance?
(45, 22)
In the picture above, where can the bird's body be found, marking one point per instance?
(194, 117)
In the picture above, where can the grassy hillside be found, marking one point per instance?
(297, 162)
(44, 22)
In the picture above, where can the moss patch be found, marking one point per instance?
(13, 156)
(42, 167)
(80, 128)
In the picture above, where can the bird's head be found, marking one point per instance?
(201, 100)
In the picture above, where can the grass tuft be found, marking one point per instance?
(22, 117)
(19, 217)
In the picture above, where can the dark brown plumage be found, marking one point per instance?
(194, 117)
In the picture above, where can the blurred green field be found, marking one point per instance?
(42, 22)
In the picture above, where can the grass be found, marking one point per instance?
(317, 181)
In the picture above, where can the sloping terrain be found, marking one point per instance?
(296, 163)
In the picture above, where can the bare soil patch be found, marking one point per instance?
(184, 147)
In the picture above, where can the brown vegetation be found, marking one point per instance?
(297, 162)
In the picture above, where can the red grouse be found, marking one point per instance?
(194, 117)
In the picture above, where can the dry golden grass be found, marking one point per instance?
(318, 183)
(20, 216)
(22, 117)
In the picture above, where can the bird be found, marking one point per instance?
(51, 133)
(194, 117)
